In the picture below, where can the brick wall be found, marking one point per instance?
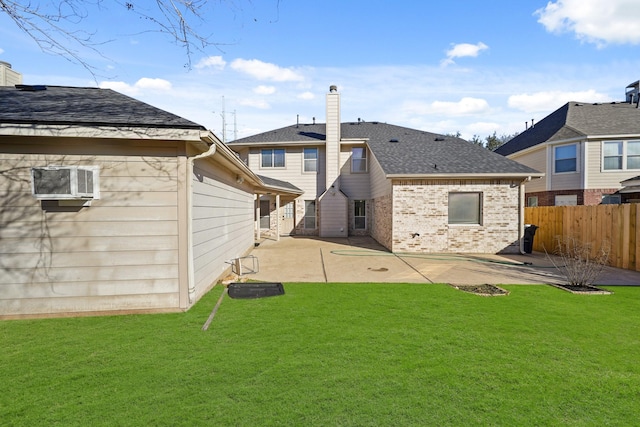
(381, 218)
(420, 217)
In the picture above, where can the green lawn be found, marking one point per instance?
(335, 355)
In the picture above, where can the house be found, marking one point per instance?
(412, 191)
(586, 150)
(110, 205)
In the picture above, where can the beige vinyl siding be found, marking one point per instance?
(118, 254)
(537, 160)
(312, 183)
(355, 185)
(223, 223)
(598, 178)
(380, 185)
(333, 214)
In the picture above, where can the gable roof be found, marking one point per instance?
(578, 120)
(402, 151)
(63, 105)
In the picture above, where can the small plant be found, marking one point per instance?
(580, 265)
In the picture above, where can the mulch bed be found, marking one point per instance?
(483, 290)
(583, 289)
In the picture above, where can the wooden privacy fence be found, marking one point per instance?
(612, 227)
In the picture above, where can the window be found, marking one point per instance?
(359, 215)
(310, 160)
(620, 155)
(465, 208)
(633, 155)
(65, 182)
(566, 200)
(532, 201)
(565, 158)
(611, 199)
(358, 159)
(273, 158)
(309, 214)
(612, 155)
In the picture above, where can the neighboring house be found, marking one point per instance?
(413, 191)
(586, 151)
(112, 205)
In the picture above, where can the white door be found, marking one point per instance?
(287, 222)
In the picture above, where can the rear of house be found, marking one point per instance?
(413, 191)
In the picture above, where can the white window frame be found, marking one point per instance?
(272, 157)
(363, 218)
(308, 217)
(309, 161)
(532, 201)
(76, 174)
(457, 197)
(555, 159)
(354, 160)
(624, 155)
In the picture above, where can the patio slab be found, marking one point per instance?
(362, 259)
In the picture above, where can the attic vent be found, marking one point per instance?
(439, 138)
(31, 88)
(393, 140)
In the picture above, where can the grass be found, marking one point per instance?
(335, 355)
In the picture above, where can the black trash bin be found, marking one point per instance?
(529, 232)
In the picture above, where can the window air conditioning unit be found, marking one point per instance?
(65, 182)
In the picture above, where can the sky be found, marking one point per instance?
(458, 66)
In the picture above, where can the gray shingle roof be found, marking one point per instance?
(575, 120)
(82, 106)
(272, 182)
(413, 152)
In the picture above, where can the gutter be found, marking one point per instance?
(526, 175)
(208, 138)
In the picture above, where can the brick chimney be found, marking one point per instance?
(333, 138)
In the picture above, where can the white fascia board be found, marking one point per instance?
(74, 131)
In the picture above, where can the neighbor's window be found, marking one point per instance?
(532, 201)
(310, 160)
(309, 214)
(359, 215)
(465, 208)
(612, 155)
(565, 158)
(633, 155)
(273, 158)
(611, 199)
(566, 200)
(358, 159)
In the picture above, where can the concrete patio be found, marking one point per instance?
(362, 259)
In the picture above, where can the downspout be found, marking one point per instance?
(521, 216)
(190, 266)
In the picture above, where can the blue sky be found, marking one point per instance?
(465, 66)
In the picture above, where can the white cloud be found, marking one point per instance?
(552, 100)
(255, 103)
(215, 62)
(264, 90)
(1, 50)
(306, 95)
(143, 84)
(462, 50)
(265, 71)
(463, 107)
(594, 21)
